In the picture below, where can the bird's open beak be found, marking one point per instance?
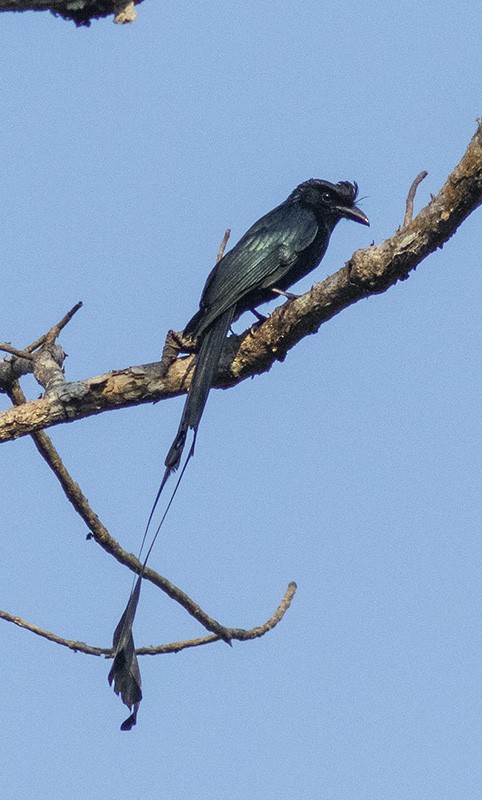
(354, 213)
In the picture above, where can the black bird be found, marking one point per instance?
(276, 252)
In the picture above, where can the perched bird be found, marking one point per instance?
(276, 252)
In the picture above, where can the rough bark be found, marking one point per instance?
(370, 271)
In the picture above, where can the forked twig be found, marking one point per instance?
(47, 370)
(6, 347)
(54, 331)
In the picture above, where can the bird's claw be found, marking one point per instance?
(175, 343)
(260, 318)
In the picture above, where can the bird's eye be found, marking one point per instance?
(326, 197)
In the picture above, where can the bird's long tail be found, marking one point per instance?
(125, 674)
(206, 364)
(207, 360)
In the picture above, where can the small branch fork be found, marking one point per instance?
(44, 357)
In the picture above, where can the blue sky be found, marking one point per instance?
(352, 468)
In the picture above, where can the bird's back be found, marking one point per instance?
(283, 243)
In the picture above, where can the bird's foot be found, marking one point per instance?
(260, 318)
(175, 343)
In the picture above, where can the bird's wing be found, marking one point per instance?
(268, 248)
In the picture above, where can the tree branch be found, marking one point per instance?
(239, 634)
(411, 197)
(368, 272)
(32, 359)
(82, 12)
(100, 533)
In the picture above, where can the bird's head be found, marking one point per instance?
(331, 200)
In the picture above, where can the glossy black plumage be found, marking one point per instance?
(276, 252)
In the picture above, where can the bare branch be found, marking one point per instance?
(100, 533)
(52, 637)
(223, 244)
(48, 369)
(5, 347)
(80, 11)
(175, 647)
(46, 364)
(54, 331)
(411, 197)
(368, 272)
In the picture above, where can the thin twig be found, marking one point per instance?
(174, 647)
(5, 347)
(411, 197)
(52, 637)
(222, 247)
(54, 331)
(239, 634)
